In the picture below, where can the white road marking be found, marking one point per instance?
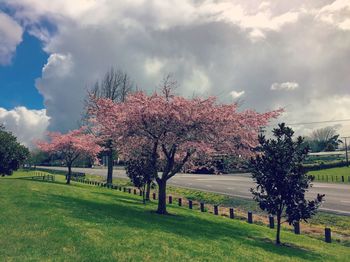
(218, 179)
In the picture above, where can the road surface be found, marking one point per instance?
(337, 197)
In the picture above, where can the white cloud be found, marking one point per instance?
(289, 86)
(235, 94)
(27, 125)
(255, 19)
(345, 25)
(10, 37)
(337, 14)
(58, 66)
(153, 66)
(197, 83)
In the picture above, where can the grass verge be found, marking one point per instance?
(340, 224)
(43, 221)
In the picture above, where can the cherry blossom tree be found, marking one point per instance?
(70, 147)
(178, 131)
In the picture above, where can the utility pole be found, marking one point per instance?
(346, 150)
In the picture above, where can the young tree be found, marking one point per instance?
(12, 153)
(141, 174)
(141, 170)
(281, 179)
(178, 131)
(115, 85)
(69, 147)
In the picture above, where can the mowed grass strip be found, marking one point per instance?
(43, 221)
(332, 175)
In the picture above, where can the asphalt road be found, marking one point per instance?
(337, 197)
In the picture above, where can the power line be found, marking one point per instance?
(320, 122)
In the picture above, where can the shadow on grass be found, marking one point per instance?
(128, 212)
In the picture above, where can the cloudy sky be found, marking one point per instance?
(266, 54)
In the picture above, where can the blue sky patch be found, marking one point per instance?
(17, 80)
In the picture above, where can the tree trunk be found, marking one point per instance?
(278, 241)
(148, 190)
(143, 194)
(161, 197)
(110, 166)
(69, 173)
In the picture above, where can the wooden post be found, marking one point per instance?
(327, 235)
(271, 221)
(202, 207)
(170, 199)
(297, 228)
(190, 204)
(180, 201)
(216, 210)
(232, 213)
(250, 217)
(154, 195)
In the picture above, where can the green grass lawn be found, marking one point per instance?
(43, 221)
(332, 174)
(340, 224)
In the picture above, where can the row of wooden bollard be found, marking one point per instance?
(328, 234)
(334, 179)
(328, 237)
